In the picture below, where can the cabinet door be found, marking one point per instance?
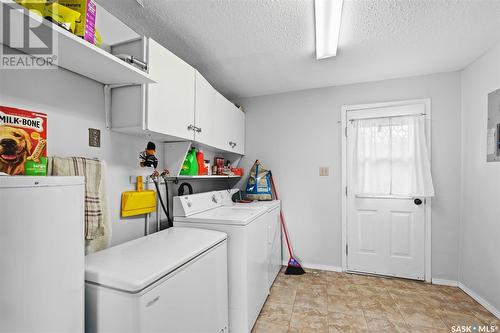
(232, 126)
(206, 113)
(170, 102)
(224, 125)
(238, 130)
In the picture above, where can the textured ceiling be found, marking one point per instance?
(257, 47)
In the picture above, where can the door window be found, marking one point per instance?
(390, 157)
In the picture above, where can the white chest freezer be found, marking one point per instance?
(171, 281)
(41, 254)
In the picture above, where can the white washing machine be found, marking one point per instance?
(173, 281)
(252, 264)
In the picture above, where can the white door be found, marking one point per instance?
(386, 234)
(170, 102)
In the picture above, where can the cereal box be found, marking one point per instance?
(23, 142)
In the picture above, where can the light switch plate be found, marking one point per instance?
(94, 137)
(324, 171)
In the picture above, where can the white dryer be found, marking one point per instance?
(173, 281)
(251, 263)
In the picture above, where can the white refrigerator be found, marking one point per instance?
(42, 254)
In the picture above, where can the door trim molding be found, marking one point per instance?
(428, 210)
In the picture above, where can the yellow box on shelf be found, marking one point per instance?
(138, 202)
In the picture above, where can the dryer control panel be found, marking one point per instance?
(188, 205)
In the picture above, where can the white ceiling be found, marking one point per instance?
(258, 47)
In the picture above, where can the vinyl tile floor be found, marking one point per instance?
(331, 302)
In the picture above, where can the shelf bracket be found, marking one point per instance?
(107, 101)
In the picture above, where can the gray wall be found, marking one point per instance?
(295, 133)
(480, 225)
(74, 104)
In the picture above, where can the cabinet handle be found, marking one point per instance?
(194, 128)
(232, 144)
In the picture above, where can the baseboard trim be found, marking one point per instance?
(318, 267)
(444, 282)
(480, 300)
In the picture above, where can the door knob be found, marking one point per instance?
(417, 201)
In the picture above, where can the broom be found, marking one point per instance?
(294, 267)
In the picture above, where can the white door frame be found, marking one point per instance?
(428, 209)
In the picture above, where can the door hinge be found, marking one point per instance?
(345, 131)
(346, 249)
(346, 191)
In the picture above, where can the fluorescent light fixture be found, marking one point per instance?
(328, 15)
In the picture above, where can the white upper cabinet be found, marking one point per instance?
(233, 124)
(219, 123)
(237, 133)
(182, 105)
(206, 113)
(171, 100)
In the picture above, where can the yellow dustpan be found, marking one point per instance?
(138, 202)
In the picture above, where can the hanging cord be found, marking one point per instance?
(164, 175)
(155, 181)
(180, 191)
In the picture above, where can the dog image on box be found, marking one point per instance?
(22, 142)
(15, 146)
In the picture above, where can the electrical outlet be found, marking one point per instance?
(94, 137)
(324, 171)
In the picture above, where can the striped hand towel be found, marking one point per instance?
(92, 170)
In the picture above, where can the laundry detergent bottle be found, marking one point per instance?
(190, 165)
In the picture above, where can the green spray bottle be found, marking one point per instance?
(190, 165)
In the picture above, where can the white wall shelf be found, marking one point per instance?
(148, 180)
(207, 177)
(175, 152)
(78, 55)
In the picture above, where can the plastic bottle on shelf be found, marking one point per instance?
(190, 165)
(202, 169)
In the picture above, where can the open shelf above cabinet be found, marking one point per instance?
(78, 55)
(206, 177)
(175, 152)
(149, 180)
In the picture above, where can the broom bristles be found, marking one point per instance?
(294, 268)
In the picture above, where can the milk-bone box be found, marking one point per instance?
(23, 142)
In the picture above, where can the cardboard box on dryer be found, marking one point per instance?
(23, 142)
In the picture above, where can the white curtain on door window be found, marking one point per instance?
(390, 157)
